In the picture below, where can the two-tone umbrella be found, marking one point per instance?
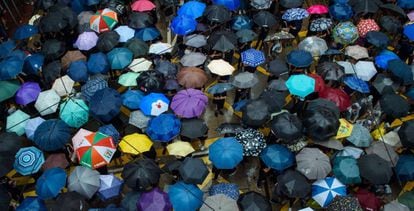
(95, 150)
(154, 104)
(325, 190)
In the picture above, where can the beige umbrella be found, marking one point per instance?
(220, 67)
(63, 86)
(140, 65)
(357, 52)
(70, 57)
(180, 148)
(219, 202)
(192, 77)
(392, 138)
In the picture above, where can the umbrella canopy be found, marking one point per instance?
(53, 49)
(252, 140)
(31, 126)
(71, 200)
(222, 41)
(193, 128)
(366, 25)
(240, 22)
(142, 6)
(128, 79)
(345, 33)
(193, 9)
(341, 12)
(86, 41)
(137, 46)
(293, 184)
(251, 201)
(219, 202)
(220, 67)
(325, 190)
(406, 134)
(195, 40)
(407, 199)
(32, 203)
(291, 3)
(318, 9)
(225, 153)
(401, 70)
(192, 77)
(338, 96)
(253, 57)
(10, 67)
(107, 41)
(135, 144)
(180, 148)
(95, 150)
(103, 20)
(323, 103)
(256, 113)
(84, 180)
(154, 104)
(166, 68)
(375, 169)
(155, 199)
(299, 58)
(244, 80)
(278, 67)
(300, 85)
(27, 93)
(193, 170)
(160, 48)
(229, 4)
(330, 71)
(110, 186)
(74, 112)
(368, 200)
(138, 119)
(229, 128)
(409, 31)
(282, 35)
(16, 122)
(314, 45)
(9, 88)
(365, 70)
(385, 151)
(264, 19)
(141, 174)
(28, 160)
(403, 168)
(294, 14)
(346, 170)
(395, 205)
(313, 163)
(382, 59)
(277, 157)
(163, 128)
(93, 85)
(377, 39)
(287, 126)
(63, 86)
(356, 84)
(193, 59)
(125, 32)
(25, 31)
(390, 24)
(217, 13)
(183, 25)
(72, 56)
(140, 21)
(52, 135)
(98, 63)
(10, 143)
(360, 136)
(132, 98)
(344, 203)
(246, 35)
(185, 196)
(50, 183)
(55, 160)
(150, 81)
(119, 58)
(357, 52)
(105, 104)
(228, 189)
(320, 24)
(394, 105)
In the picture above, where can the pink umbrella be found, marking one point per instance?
(189, 103)
(411, 15)
(142, 6)
(318, 9)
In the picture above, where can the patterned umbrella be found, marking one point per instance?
(320, 24)
(282, 35)
(93, 85)
(295, 14)
(366, 25)
(28, 161)
(261, 4)
(314, 45)
(252, 140)
(344, 203)
(95, 150)
(219, 202)
(154, 104)
(345, 33)
(253, 57)
(103, 20)
(325, 190)
(229, 189)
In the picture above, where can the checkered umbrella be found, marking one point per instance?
(253, 57)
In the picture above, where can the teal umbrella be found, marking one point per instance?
(119, 58)
(300, 85)
(8, 89)
(128, 79)
(346, 170)
(74, 112)
(16, 122)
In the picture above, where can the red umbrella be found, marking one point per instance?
(142, 6)
(338, 96)
(318, 9)
(55, 160)
(368, 200)
(366, 25)
(319, 82)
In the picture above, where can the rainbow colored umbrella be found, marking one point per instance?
(95, 150)
(103, 20)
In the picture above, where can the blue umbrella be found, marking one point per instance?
(194, 9)
(185, 196)
(147, 34)
(33, 63)
(154, 104)
(98, 63)
(378, 39)
(220, 88)
(119, 58)
(357, 84)
(300, 85)
(409, 31)
(32, 203)
(346, 170)
(110, 187)
(74, 112)
(6, 48)
(406, 4)
(299, 58)
(92, 86)
(105, 104)
(25, 31)
(183, 25)
(277, 157)
(132, 98)
(50, 183)
(325, 190)
(31, 126)
(295, 14)
(253, 57)
(404, 168)
(28, 161)
(78, 71)
(341, 12)
(401, 70)
(382, 59)
(10, 67)
(226, 153)
(232, 5)
(241, 22)
(163, 128)
(110, 130)
(229, 189)
(52, 135)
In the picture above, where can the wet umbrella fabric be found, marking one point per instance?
(193, 9)
(338, 96)
(195, 40)
(232, 128)
(299, 58)
(137, 46)
(217, 13)
(251, 201)
(150, 81)
(406, 134)
(98, 63)
(55, 160)
(95, 150)
(300, 85)
(141, 174)
(385, 151)
(287, 126)
(50, 183)
(93, 85)
(253, 57)
(244, 80)
(193, 59)
(378, 39)
(183, 25)
(294, 14)
(105, 104)
(318, 9)
(345, 33)
(193, 128)
(74, 112)
(278, 67)
(325, 190)
(192, 77)
(220, 67)
(346, 170)
(357, 84)
(232, 5)
(28, 161)
(375, 169)
(394, 105)
(403, 168)
(401, 70)
(229, 189)
(256, 113)
(226, 153)
(32, 203)
(107, 41)
(110, 187)
(155, 199)
(390, 24)
(222, 41)
(277, 157)
(52, 135)
(132, 98)
(252, 140)
(264, 19)
(189, 103)
(313, 163)
(341, 12)
(344, 203)
(241, 22)
(154, 104)
(185, 196)
(320, 24)
(31, 126)
(163, 128)
(330, 71)
(10, 67)
(293, 184)
(27, 93)
(84, 180)
(193, 171)
(219, 202)
(86, 41)
(314, 45)
(119, 58)
(53, 49)
(10, 143)
(166, 68)
(220, 88)
(291, 3)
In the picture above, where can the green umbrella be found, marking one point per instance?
(407, 199)
(16, 122)
(74, 112)
(8, 89)
(128, 79)
(346, 170)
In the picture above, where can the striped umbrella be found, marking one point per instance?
(103, 20)
(96, 150)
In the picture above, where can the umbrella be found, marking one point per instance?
(72, 56)
(299, 58)
(128, 79)
(251, 201)
(135, 144)
(375, 169)
(220, 67)
(261, 4)
(293, 184)
(33, 63)
(256, 113)
(345, 33)
(346, 170)
(286, 126)
(318, 9)
(110, 186)
(131, 99)
(16, 122)
(193, 9)
(401, 70)
(278, 67)
(246, 35)
(180, 148)
(294, 14)
(356, 84)
(338, 96)
(219, 202)
(366, 25)
(222, 41)
(83, 180)
(185, 196)
(240, 22)
(72, 201)
(403, 168)
(160, 48)
(225, 153)
(93, 85)
(52, 22)
(63, 86)
(50, 183)
(275, 96)
(264, 19)
(360, 136)
(107, 41)
(365, 70)
(150, 81)
(31, 126)
(300, 85)
(95, 150)
(32, 203)
(191, 77)
(393, 8)
(140, 21)
(405, 134)
(341, 12)
(394, 105)
(217, 13)
(368, 200)
(320, 124)
(53, 49)
(105, 104)
(229, 128)
(74, 112)
(407, 199)
(409, 31)
(28, 160)
(55, 160)
(395, 205)
(228, 189)
(141, 174)
(323, 103)
(77, 138)
(252, 140)
(277, 157)
(193, 170)
(366, 6)
(110, 130)
(155, 199)
(220, 88)
(193, 59)
(52, 135)
(138, 119)
(344, 203)
(137, 46)
(314, 45)
(291, 3)
(378, 39)
(10, 143)
(325, 190)
(390, 24)
(313, 163)
(405, 4)
(154, 104)
(193, 128)
(142, 6)
(166, 68)
(10, 67)
(382, 59)
(119, 58)
(253, 57)
(103, 20)
(244, 80)
(27, 93)
(183, 25)
(195, 40)
(357, 52)
(320, 24)
(163, 128)
(24, 32)
(330, 71)
(98, 63)
(385, 151)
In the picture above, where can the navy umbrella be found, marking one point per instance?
(193, 170)
(401, 70)
(147, 34)
(24, 32)
(406, 134)
(52, 135)
(299, 58)
(78, 71)
(278, 67)
(378, 39)
(341, 12)
(105, 104)
(53, 49)
(10, 67)
(139, 20)
(98, 63)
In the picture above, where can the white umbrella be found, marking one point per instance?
(125, 33)
(392, 138)
(357, 52)
(47, 102)
(63, 85)
(140, 65)
(195, 40)
(313, 163)
(365, 70)
(314, 45)
(77, 138)
(220, 67)
(348, 67)
(138, 119)
(193, 59)
(160, 48)
(219, 202)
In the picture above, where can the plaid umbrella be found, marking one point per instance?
(320, 24)
(295, 14)
(253, 57)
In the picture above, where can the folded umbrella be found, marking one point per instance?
(185, 196)
(155, 199)
(163, 128)
(50, 183)
(313, 163)
(28, 160)
(141, 174)
(325, 190)
(105, 104)
(225, 153)
(252, 200)
(277, 157)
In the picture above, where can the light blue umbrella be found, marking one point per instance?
(300, 85)
(31, 126)
(74, 112)
(154, 104)
(253, 57)
(28, 160)
(193, 9)
(360, 136)
(125, 33)
(185, 196)
(50, 183)
(325, 190)
(226, 153)
(110, 186)
(32, 203)
(277, 157)
(294, 14)
(132, 98)
(119, 58)
(16, 122)
(183, 25)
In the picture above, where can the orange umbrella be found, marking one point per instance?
(192, 77)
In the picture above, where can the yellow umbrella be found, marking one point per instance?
(135, 144)
(180, 148)
(345, 129)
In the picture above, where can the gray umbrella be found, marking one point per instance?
(217, 13)
(277, 85)
(84, 181)
(331, 71)
(195, 40)
(313, 163)
(138, 119)
(166, 68)
(229, 128)
(256, 113)
(381, 81)
(261, 4)
(278, 67)
(193, 59)
(291, 3)
(390, 24)
(360, 136)
(193, 128)
(246, 35)
(264, 19)
(219, 202)
(193, 170)
(385, 151)
(244, 80)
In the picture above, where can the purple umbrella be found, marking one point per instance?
(27, 93)
(86, 41)
(155, 199)
(189, 103)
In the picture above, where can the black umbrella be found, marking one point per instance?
(52, 23)
(117, 5)
(264, 19)
(278, 67)
(320, 124)
(45, 4)
(166, 68)
(141, 174)
(68, 14)
(107, 41)
(293, 184)
(246, 35)
(390, 24)
(51, 72)
(71, 201)
(324, 103)
(193, 128)
(256, 113)
(53, 49)
(137, 46)
(278, 85)
(229, 128)
(365, 6)
(5, 198)
(378, 39)
(393, 104)
(375, 169)
(291, 3)
(138, 20)
(381, 81)
(406, 134)
(274, 100)
(394, 8)
(253, 201)
(217, 13)
(193, 170)
(10, 144)
(287, 126)
(330, 71)
(171, 166)
(150, 81)
(222, 41)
